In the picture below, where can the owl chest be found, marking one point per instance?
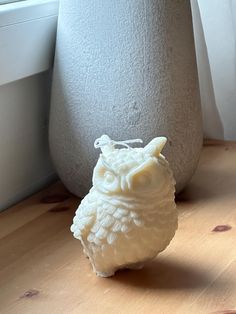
(119, 217)
(122, 220)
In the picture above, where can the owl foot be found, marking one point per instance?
(135, 266)
(105, 274)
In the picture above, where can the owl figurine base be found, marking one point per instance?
(129, 215)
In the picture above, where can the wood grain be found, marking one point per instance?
(43, 270)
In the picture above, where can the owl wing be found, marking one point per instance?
(120, 235)
(113, 225)
(84, 219)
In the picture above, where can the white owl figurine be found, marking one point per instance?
(129, 215)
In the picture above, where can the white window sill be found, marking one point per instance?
(27, 38)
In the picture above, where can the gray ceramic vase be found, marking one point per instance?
(128, 69)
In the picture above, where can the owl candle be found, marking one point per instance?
(129, 215)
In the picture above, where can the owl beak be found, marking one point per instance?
(129, 181)
(124, 184)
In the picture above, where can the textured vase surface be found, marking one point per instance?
(127, 69)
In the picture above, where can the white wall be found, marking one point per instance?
(24, 157)
(27, 38)
(215, 36)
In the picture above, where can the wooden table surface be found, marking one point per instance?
(43, 270)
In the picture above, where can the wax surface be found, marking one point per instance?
(129, 215)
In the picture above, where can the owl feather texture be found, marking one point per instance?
(129, 215)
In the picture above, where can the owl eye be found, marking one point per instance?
(143, 179)
(109, 177)
(106, 175)
(105, 179)
(101, 172)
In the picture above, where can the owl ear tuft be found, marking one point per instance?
(155, 147)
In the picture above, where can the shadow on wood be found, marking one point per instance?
(164, 274)
(214, 186)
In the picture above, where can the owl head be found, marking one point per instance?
(127, 170)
